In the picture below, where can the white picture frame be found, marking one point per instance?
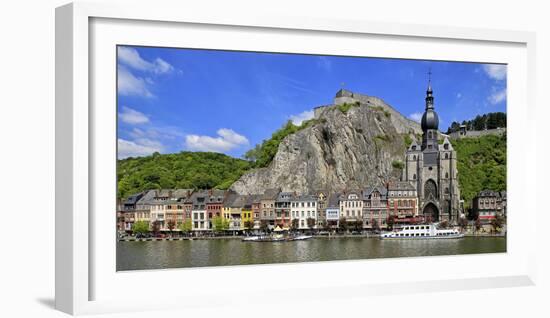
(82, 272)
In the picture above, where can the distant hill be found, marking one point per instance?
(481, 122)
(196, 170)
(481, 165)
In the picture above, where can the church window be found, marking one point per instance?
(414, 147)
(447, 190)
(414, 176)
(414, 157)
(446, 155)
(429, 146)
(430, 188)
(446, 146)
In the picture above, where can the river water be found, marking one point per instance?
(197, 253)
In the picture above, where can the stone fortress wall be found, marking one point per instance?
(401, 123)
(477, 133)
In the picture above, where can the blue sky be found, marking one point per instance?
(171, 100)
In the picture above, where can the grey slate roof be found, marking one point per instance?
(133, 199)
(285, 196)
(304, 198)
(487, 193)
(400, 185)
(216, 196)
(333, 200)
(270, 194)
(344, 196)
(369, 190)
(239, 202)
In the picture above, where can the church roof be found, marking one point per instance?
(430, 120)
(400, 185)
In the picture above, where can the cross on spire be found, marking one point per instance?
(430, 80)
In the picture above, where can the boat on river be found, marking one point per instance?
(276, 238)
(251, 238)
(300, 238)
(421, 232)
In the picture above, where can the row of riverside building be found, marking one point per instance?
(372, 206)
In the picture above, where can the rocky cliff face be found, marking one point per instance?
(343, 150)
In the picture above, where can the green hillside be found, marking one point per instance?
(198, 170)
(481, 165)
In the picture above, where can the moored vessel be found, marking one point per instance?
(422, 231)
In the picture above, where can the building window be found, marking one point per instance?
(430, 188)
(446, 155)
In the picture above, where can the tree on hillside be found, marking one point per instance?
(185, 170)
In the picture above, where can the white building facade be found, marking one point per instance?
(303, 208)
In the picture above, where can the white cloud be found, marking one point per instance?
(161, 66)
(227, 140)
(298, 119)
(495, 71)
(497, 96)
(131, 58)
(128, 84)
(137, 148)
(416, 116)
(133, 117)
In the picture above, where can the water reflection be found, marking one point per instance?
(197, 253)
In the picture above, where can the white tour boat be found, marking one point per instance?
(251, 238)
(422, 231)
(301, 237)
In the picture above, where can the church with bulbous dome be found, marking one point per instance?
(431, 168)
